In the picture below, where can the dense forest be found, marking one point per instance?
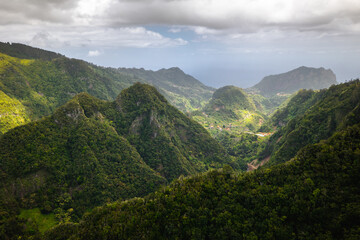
(311, 116)
(88, 152)
(314, 196)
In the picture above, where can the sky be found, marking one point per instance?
(220, 42)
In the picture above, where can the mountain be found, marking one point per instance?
(234, 116)
(90, 152)
(294, 80)
(42, 81)
(182, 90)
(231, 97)
(229, 109)
(309, 117)
(315, 196)
(42, 86)
(23, 51)
(174, 143)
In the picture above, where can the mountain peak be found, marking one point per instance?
(141, 97)
(296, 79)
(80, 107)
(173, 69)
(231, 96)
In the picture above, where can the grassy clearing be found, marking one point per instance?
(43, 221)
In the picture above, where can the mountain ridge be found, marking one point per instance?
(43, 80)
(311, 116)
(296, 79)
(91, 151)
(19, 50)
(195, 92)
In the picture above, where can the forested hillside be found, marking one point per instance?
(23, 51)
(306, 118)
(42, 86)
(311, 116)
(90, 152)
(314, 196)
(42, 81)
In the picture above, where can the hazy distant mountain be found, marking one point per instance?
(300, 78)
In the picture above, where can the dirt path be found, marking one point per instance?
(255, 164)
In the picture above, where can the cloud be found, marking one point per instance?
(124, 23)
(36, 11)
(93, 53)
(174, 30)
(138, 37)
(81, 36)
(242, 16)
(239, 15)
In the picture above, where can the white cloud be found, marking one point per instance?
(93, 53)
(204, 30)
(110, 23)
(174, 30)
(138, 37)
(240, 15)
(80, 36)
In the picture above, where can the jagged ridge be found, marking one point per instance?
(92, 151)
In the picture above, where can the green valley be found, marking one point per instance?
(89, 152)
(233, 110)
